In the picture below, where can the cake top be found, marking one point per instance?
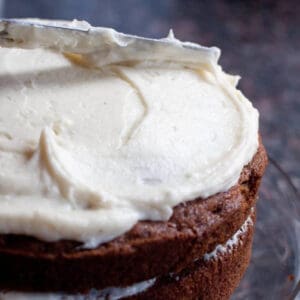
(91, 143)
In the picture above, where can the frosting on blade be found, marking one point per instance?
(100, 46)
(111, 293)
(85, 153)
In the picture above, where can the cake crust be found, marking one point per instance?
(148, 250)
(213, 279)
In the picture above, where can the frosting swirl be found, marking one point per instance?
(89, 149)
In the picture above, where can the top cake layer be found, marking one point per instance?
(86, 152)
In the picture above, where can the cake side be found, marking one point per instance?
(212, 279)
(150, 249)
(213, 276)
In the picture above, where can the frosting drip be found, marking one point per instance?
(85, 153)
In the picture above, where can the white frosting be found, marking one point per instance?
(85, 153)
(99, 45)
(233, 241)
(111, 293)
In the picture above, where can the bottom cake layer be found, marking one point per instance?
(212, 277)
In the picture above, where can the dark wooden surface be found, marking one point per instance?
(260, 40)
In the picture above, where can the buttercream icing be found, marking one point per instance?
(89, 149)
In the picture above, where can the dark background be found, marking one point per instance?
(260, 40)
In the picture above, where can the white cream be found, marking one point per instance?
(85, 153)
(99, 45)
(233, 241)
(111, 293)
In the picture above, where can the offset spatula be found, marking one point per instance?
(100, 45)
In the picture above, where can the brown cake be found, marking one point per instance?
(100, 199)
(149, 250)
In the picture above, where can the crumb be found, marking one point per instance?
(291, 277)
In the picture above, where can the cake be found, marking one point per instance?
(129, 168)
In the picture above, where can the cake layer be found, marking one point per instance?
(148, 250)
(193, 281)
(207, 279)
